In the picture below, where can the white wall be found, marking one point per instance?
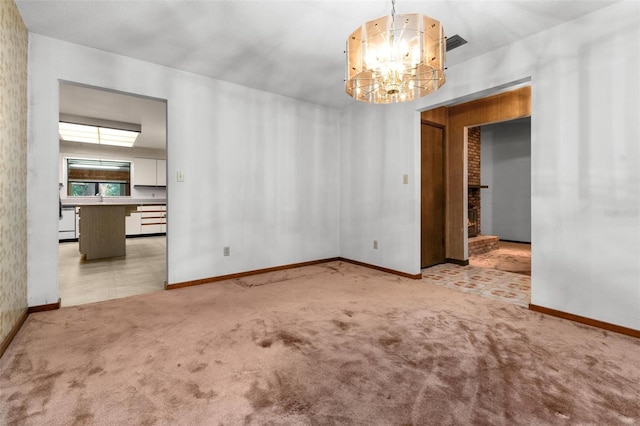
(506, 168)
(377, 149)
(585, 152)
(261, 170)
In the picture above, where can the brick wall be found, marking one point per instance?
(474, 155)
(474, 170)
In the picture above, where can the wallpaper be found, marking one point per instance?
(13, 167)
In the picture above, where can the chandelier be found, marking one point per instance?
(395, 58)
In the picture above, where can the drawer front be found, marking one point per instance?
(153, 220)
(151, 229)
(66, 235)
(152, 208)
(153, 214)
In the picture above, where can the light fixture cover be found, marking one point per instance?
(96, 134)
(395, 59)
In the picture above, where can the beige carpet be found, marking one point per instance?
(333, 344)
(510, 257)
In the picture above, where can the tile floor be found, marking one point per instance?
(142, 270)
(499, 285)
(509, 257)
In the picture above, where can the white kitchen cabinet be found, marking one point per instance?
(67, 224)
(144, 171)
(148, 219)
(133, 224)
(161, 172)
(149, 172)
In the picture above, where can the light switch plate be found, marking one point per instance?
(405, 179)
(180, 176)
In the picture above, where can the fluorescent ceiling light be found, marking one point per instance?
(93, 166)
(90, 164)
(96, 134)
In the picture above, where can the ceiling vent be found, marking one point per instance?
(455, 41)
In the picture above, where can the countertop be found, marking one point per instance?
(110, 201)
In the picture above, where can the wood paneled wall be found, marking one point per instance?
(502, 107)
(437, 115)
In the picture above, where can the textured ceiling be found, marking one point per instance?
(293, 48)
(106, 105)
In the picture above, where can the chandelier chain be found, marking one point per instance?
(393, 12)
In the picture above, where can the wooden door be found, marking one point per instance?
(433, 193)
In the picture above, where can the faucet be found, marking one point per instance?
(100, 195)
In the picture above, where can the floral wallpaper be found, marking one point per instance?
(13, 167)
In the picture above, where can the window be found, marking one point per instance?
(86, 178)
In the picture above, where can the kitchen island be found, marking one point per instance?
(102, 230)
(103, 224)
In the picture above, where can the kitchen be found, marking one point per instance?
(112, 183)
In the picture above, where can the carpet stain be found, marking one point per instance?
(468, 332)
(195, 367)
(282, 391)
(556, 404)
(14, 396)
(291, 340)
(95, 370)
(44, 387)
(591, 360)
(387, 341)
(265, 343)
(20, 364)
(38, 396)
(76, 384)
(18, 413)
(258, 397)
(352, 373)
(627, 407)
(290, 395)
(82, 414)
(196, 392)
(344, 326)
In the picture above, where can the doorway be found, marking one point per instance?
(502, 203)
(119, 176)
(432, 220)
(463, 219)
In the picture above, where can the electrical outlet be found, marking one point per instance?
(375, 244)
(180, 176)
(227, 251)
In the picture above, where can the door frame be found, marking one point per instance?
(166, 124)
